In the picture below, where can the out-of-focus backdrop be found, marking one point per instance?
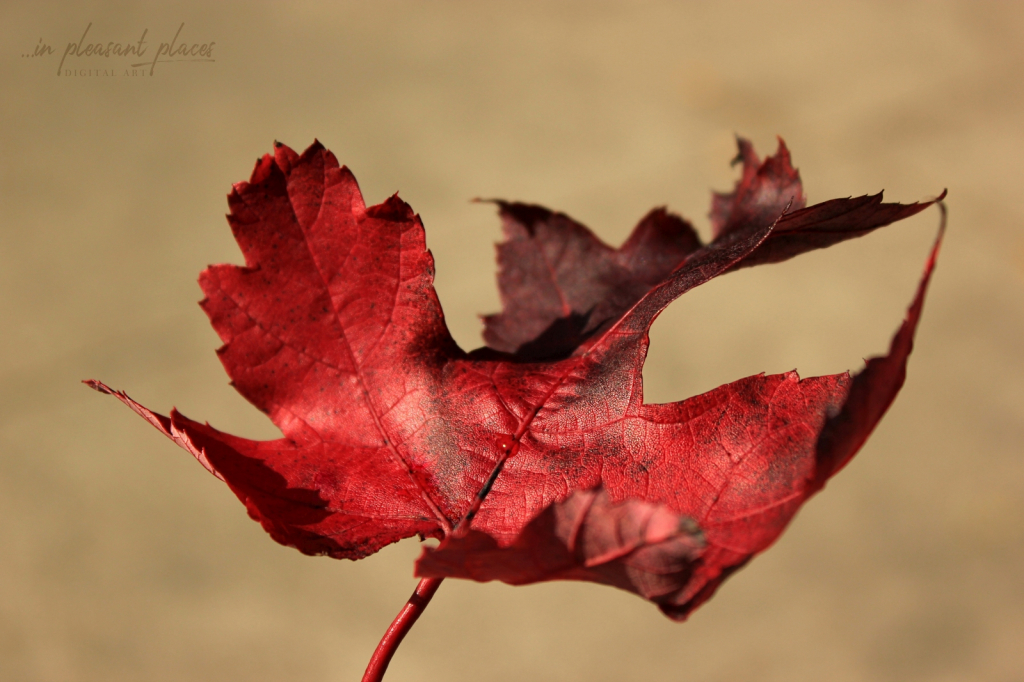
(122, 559)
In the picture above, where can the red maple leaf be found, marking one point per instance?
(535, 458)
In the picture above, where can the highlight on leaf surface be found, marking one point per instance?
(534, 458)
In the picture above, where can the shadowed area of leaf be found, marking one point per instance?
(552, 269)
(640, 547)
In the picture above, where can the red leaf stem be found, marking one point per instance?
(401, 625)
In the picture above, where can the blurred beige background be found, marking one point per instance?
(122, 559)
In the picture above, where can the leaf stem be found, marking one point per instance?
(426, 588)
(399, 627)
